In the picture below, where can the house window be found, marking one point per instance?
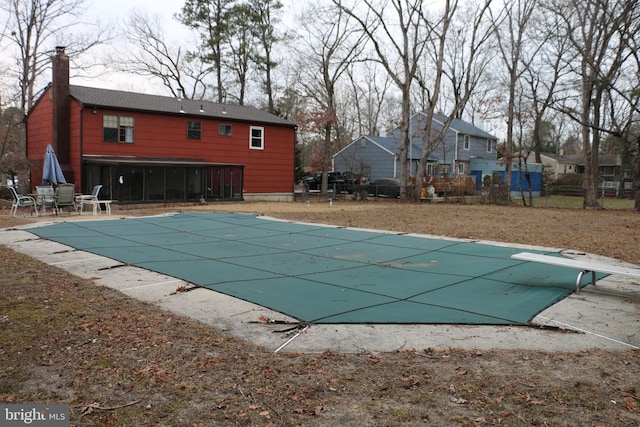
(194, 130)
(467, 142)
(460, 168)
(489, 146)
(117, 128)
(224, 130)
(256, 140)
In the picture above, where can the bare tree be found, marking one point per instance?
(331, 47)
(466, 53)
(600, 34)
(516, 53)
(369, 95)
(622, 102)
(459, 55)
(35, 27)
(544, 72)
(396, 31)
(13, 158)
(151, 55)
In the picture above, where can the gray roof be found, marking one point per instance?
(464, 127)
(131, 101)
(578, 159)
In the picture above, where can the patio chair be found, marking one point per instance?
(22, 201)
(65, 197)
(46, 194)
(89, 198)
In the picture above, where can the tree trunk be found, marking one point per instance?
(636, 188)
(326, 157)
(405, 140)
(636, 177)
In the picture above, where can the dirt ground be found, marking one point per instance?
(119, 361)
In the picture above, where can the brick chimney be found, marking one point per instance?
(61, 111)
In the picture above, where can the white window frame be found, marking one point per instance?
(489, 146)
(253, 138)
(467, 142)
(124, 126)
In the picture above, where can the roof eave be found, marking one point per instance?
(220, 117)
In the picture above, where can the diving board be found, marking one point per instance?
(583, 266)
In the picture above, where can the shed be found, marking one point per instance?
(524, 177)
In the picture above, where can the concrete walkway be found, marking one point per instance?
(606, 316)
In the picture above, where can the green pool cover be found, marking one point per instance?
(324, 274)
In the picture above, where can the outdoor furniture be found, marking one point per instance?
(93, 200)
(89, 198)
(22, 201)
(65, 197)
(97, 209)
(45, 197)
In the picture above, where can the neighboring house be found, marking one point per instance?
(379, 157)
(154, 148)
(613, 175)
(373, 157)
(560, 164)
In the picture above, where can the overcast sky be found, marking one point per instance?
(115, 12)
(118, 10)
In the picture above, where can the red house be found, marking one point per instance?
(152, 148)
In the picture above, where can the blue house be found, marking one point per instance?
(378, 157)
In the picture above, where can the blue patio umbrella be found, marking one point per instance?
(51, 171)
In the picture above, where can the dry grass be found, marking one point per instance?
(119, 361)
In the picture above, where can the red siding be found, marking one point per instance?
(39, 133)
(266, 171)
(74, 151)
(157, 136)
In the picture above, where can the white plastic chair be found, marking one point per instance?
(21, 201)
(89, 198)
(46, 196)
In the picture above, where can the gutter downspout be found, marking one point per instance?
(81, 149)
(395, 165)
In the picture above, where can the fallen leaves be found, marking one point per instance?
(185, 371)
(315, 411)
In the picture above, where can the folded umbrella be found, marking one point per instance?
(51, 171)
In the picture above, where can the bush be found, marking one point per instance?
(572, 179)
(5, 193)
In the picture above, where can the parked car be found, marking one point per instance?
(334, 179)
(352, 182)
(385, 187)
